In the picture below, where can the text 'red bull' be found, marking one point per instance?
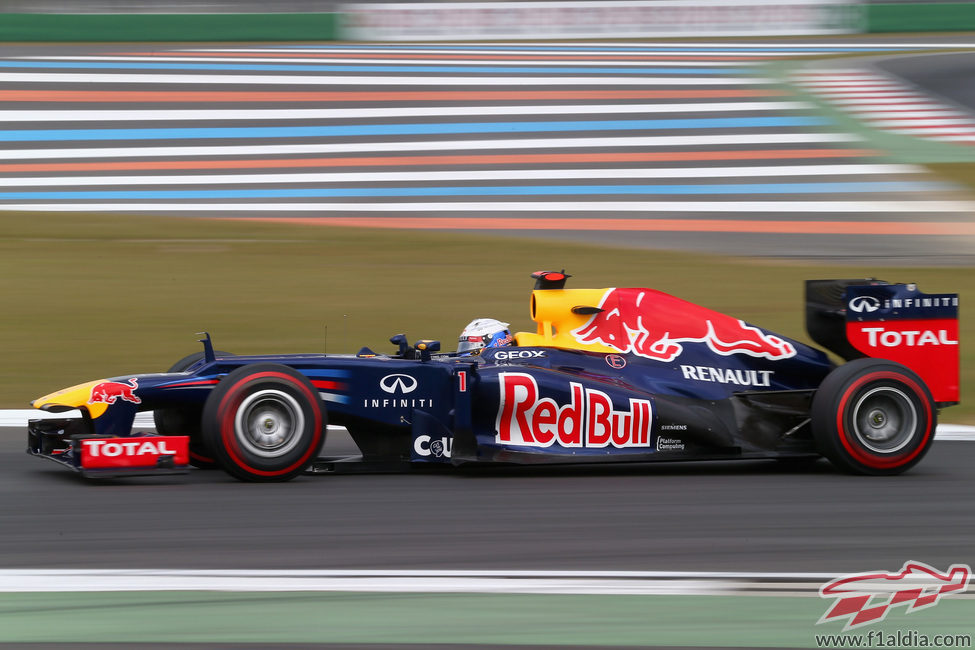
(588, 420)
(108, 392)
(653, 324)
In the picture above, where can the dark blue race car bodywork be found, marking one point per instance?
(610, 375)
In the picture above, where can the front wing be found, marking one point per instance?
(68, 442)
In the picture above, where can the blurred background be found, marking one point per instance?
(318, 176)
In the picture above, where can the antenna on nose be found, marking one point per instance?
(208, 354)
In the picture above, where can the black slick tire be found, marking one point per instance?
(872, 416)
(264, 422)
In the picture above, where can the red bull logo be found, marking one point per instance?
(864, 598)
(109, 392)
(588, 420)
(655, 325)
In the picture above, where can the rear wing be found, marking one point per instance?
(897, 322)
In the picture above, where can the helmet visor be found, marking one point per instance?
(470, 343)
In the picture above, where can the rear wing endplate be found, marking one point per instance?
(898, 322)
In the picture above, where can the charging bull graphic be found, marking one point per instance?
(916, 585)
(652, 324)
(108, 392)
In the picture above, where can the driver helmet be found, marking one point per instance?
(483, 333)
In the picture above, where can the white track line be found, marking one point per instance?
(511, 582)
(375, 81)
(958, 432)
(480, 175)
(491, 207)
(596, 54)
(387, 581)
(589, 48)
(410, 111)
(428, 145)
(19, 418)
(403, 62)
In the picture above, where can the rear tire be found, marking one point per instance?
(185, 420)
(872, 416)
(264, 422)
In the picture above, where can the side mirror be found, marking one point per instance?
(425, 347)
(400, 341)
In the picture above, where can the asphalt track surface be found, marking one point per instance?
(680, 146)
(747, 517)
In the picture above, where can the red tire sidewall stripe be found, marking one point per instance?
(227, 410)
(201, 458)
(870, 460)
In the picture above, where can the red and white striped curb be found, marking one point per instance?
(889, 104)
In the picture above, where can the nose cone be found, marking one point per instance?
(74, 397)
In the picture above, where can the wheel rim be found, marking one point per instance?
(884, 420)
(269, 423)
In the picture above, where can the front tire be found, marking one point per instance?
(872, 416)
(264, 422)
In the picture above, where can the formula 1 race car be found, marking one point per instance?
(609, 375)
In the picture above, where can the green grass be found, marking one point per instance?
(86, 297)
(960, 172)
